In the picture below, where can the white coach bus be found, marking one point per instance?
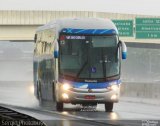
(78, 61)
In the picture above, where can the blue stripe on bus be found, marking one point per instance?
(91, 85)
(89, 31)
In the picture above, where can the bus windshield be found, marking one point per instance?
(88, 57)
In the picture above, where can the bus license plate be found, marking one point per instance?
(89, 96)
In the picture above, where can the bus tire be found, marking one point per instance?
(54, 92)
(108, 106)
(39, 93)
(59, 106)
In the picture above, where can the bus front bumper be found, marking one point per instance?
(88, 96)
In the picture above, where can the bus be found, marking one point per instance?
(78, 61)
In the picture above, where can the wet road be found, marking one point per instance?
(16, 88)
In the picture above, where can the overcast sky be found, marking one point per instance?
(148, 7)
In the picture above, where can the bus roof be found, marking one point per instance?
(80, 23)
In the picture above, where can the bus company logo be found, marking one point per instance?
(91, 81)
(149, 123)
(90, 90)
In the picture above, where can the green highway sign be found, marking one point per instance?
(148, 28)
(125, 27)
(148, 35)
(148, 21)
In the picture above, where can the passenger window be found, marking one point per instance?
(48, 64)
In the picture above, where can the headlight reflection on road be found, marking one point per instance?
(113, 116)
(31, 88)
(65, 113)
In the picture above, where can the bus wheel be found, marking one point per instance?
(59, 106)
(39, 93)
(108, 106)
(40, 97)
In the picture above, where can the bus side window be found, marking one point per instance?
(48, 64)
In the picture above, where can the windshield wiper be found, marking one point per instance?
(80, 71)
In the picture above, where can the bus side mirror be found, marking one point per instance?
(56, 49)
(124, 49)
(35, 38)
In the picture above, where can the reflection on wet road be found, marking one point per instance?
(17, 93)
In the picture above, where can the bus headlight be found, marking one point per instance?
(65, 96)
(114, 87)
(66, 86)
(114, 97)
